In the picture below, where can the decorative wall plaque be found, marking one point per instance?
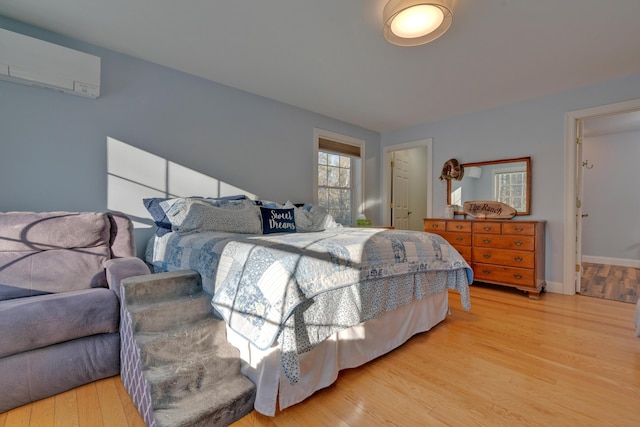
(488, 209)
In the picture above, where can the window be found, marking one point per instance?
(509, 187)
(339, 176)
(456, 197)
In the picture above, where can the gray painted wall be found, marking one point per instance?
(533, 128)
(54, 151)
(54, 146)
(611, 196)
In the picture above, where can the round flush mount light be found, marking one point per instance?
(415, 22)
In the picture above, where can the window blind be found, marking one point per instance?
(338, 147)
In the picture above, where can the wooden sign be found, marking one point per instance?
(488, 209)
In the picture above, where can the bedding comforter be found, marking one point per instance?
(295, 290)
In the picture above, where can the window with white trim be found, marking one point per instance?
(339, 177)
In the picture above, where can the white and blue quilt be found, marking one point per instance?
(297, 289)
(190, 251)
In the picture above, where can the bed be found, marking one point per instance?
(303, 297)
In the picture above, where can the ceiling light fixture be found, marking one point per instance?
(415, 22)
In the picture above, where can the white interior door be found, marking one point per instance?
(400, 191)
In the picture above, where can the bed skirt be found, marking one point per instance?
(345, 349)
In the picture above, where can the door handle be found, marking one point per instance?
(585, 215)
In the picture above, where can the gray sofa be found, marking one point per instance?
(60, 276)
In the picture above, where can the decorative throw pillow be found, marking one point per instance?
(277, 220)
(157, 213)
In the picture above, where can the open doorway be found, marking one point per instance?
(610, 237)
(602, 241)
(407, 174)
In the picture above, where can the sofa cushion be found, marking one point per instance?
(38, 231)
(122, 240)
(54, 251)
(56, 270)
(44, 320)
(44, 372)
(11, 292)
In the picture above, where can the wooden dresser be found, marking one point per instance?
(502, 252)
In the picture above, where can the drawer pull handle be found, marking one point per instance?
(459, 239)
(518, 276)
(486, 228)
(434, 225)
(519, 229)
(485, 271)
(486, 241)
(518, 243)
(487, 256)
(518, 259)
(459, 227)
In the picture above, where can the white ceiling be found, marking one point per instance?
(329, 56)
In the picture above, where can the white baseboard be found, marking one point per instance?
(554, 287)
(622, 262)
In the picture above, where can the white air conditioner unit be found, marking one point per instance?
(34, 62)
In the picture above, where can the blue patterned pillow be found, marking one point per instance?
(159, 216)
(187, 215)
(277, 220)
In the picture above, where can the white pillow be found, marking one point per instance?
(315, 218)
(301, 217)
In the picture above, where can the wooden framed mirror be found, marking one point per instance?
(507, 181)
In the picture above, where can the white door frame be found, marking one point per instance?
(570, 169)
(386, 174)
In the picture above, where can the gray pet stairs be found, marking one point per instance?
(177, 365)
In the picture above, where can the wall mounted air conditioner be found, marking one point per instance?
(34, 62)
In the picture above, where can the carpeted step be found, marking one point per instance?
(200, 372)
(218, 406)
(162, 316)
(162, 287)
(181, 341)
(182, 371)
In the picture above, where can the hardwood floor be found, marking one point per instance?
(610, 281)
(560, 361)
(102, 403)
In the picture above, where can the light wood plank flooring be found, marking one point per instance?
(610, 281)
(102, 403)
(510, 361)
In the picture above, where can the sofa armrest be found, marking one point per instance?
(119, 269)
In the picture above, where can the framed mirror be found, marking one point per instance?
(507, 181)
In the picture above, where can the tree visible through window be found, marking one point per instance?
(335, 190)
(510, 187)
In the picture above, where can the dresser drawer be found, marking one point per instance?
(521, 243)
(459, 226)
(487, 227)
(504, 257)
(463, 239)
(433, 226)
(506, 275)
(465, 251)
(518, 228)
